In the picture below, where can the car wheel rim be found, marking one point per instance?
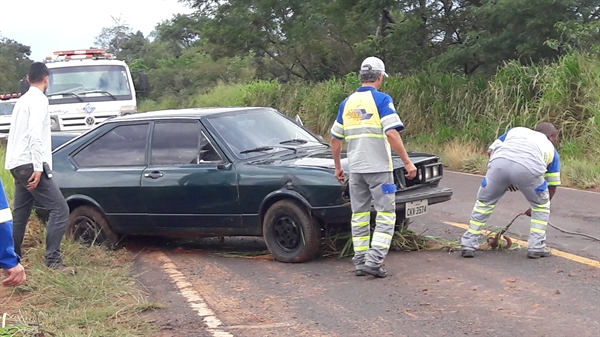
(287, 233)
(86, 230)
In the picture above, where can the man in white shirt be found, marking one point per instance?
(29, 159)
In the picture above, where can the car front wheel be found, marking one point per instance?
(290, 233)
(89, 226)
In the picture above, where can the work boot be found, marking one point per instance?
(467, 253)
(375, 271)
(359, 270)
(536, 255)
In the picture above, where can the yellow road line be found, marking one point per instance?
(555, 251)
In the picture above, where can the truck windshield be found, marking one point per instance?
(93, 83)
(6, 108)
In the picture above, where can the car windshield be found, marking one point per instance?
(6, 108)
(256, 132)
(88, 84)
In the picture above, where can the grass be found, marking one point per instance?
(101, 299)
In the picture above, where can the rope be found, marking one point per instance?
(572, 233)
(557, 228)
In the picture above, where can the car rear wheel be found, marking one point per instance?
(290, 233)
(89, 226)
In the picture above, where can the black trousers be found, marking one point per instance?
(48, 195)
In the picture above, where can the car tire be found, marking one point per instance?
(290, 233)
(89, 226)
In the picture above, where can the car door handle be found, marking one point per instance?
(153, 174)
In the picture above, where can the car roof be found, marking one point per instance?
(193, 113)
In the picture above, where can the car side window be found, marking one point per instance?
(124, 145)
(181, 143)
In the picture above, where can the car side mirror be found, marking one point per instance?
(23, 86)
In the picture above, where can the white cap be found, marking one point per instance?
(373, 63)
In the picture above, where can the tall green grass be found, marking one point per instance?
(438, 107)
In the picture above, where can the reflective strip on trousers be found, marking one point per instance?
(388, 218)
(382, 240)
(539, 218)
(361, 231)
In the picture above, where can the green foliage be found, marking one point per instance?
(14, 64)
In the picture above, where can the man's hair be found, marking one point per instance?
(369, 76)
(546, 128)
(37, 72)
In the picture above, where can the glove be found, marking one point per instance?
(512, 188)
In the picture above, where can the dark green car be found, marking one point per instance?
(217, 172)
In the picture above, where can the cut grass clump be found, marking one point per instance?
(101, 299)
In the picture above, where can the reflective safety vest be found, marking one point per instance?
(364, 130)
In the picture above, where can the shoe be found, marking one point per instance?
(359, 272)
(64, 269)
(468, 253)
(375, 271)
(536, 255)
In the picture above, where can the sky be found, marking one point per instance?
(51, 25)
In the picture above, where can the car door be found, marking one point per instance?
(188, 182)
(109, 170)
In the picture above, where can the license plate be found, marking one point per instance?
(415, 208)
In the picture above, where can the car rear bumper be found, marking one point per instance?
(343, 213)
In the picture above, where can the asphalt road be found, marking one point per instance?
(428, 293)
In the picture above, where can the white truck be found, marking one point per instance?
(86, 88)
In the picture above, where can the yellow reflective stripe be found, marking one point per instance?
(553, 174)
(541, 222)
(361, 214)
(472, 231)
(5, 215)
(542, 210)
(385, 222)
(386, 213)
(361, 224)
(553, 183)
(481, 204)
(537, 230)
(476, 223)
(367, 135)
(382, 245)
(360, 126)
(383, 235)
(361, 248)
(478, 210)
(339, 125)
(361, 238)
(337, 134)
(545, 205)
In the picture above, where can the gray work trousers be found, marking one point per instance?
(48, 196)
(379, 188)
(502, 173)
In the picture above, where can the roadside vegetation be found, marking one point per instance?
(101, 299)
(451, 115)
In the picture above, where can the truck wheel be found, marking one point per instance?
(89, 226)
(290, 233)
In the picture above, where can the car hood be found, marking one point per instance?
(324, 159)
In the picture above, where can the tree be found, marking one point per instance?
(14, 64)
(113, 38)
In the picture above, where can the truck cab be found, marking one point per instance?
(88, 87)
(7, 104)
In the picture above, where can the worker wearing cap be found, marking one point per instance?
(521, 159)
(368, 122)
